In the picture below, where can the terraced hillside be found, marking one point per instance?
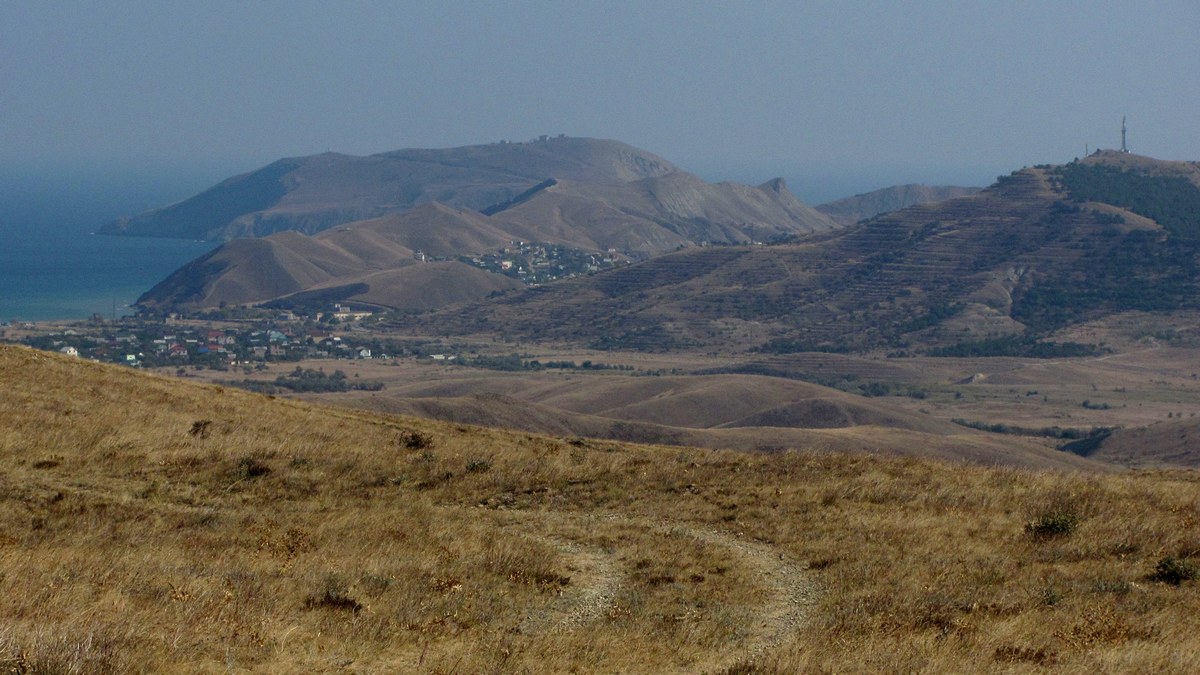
(1001, 268)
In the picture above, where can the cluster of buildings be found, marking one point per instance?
(539, 263)
(155, 345)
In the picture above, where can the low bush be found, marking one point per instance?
(411, 439)
(1058, 523)
(1174, 571)
(332, 593)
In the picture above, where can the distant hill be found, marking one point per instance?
(718, 411)
(850, 210)
(661, 213)
(583, 194)
(370, 263)
(598, 179)
(987, 274)
(310, 194)
(1166, 444)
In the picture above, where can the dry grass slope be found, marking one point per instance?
(153, 525)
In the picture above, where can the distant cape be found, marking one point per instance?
(589, 179)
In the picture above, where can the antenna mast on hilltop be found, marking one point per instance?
(1123, 148)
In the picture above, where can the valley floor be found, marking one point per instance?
(1029, 405)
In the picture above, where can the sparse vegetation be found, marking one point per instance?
(148, 546)
(1172, 201)
(307, 381)
(518, 362)
(935, 315)
(1017, 345)
(1066, 433)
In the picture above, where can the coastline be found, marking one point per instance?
(52, 276)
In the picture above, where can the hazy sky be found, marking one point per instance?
(837, 97)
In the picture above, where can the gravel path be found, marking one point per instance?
(595, 582)
(596, 578)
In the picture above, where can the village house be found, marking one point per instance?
(342, 313)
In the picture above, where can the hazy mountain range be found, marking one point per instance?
(1006, 266)
(341, 228)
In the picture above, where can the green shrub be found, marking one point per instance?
(1174, 571)
(479, 465)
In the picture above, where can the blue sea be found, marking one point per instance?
(51, 265)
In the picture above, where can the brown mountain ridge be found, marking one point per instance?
(1039, 250)
(584, 194)
(310, 194)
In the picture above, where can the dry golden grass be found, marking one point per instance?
(151, 525)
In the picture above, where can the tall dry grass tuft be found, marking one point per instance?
(67, 650)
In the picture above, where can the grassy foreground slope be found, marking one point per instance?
(149, 524)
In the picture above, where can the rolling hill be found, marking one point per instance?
(850, 210)
(369, 263)
(1170, 444)
(993, 272)
(743, 412)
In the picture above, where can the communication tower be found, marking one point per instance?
(1123, 148)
